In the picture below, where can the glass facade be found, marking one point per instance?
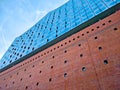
(53, 25)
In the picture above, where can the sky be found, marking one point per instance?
(17, 16)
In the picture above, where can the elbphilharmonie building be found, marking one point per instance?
(74, 47)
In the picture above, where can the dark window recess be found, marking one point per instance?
(92, 29)
(54, 48)
(65, 74)
(33, 48)
(10, 61)
(16, 58)
(50, 79)
(21, 79)
(65, 43)
(78, 36)
(87, 31)
(4, 62)
(26, 87)
(96, 37)
(98, 27)
(100, 48)
(40, 71)
(37, 83)
(65, 51)
(23, 51)
(30, 75)
(17, 54)
(58, 16)
(41, 26)
(42, 61)
(103, 24)
(42, 36)
(51, 67)
(12, 45)
(47, 40)
(38, 33)
(82, 34)
(29, 37)
(25, 47)
(53, 56)
(81, 55)
(73, 38)
(83, 68)
(109, 21)
(115, 29)
(21, 55)
(69, 41)
(79, 45)
(65, 61)
(65, 22)
(105, 61)
(28, 47)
